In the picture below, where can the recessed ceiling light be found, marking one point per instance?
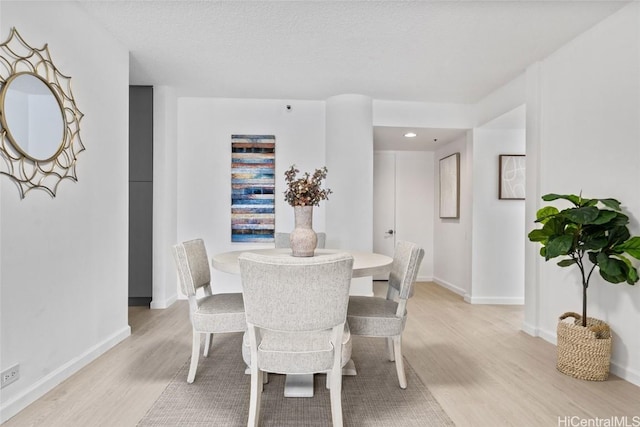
(410, 135)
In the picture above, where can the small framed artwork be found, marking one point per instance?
(450, 186)
(511, 178)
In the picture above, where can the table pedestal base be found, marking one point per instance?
(298, 385)
(301, 385)
(349, 368)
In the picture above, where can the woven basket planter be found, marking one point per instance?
(584, 353)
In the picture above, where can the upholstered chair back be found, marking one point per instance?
(193, 265)
(311, 293)
(322, 240)
(404, 270)
(282, 240)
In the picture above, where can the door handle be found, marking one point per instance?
(390, 232)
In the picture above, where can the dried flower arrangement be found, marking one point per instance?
(307, 190)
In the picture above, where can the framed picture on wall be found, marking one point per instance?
(450, 186)
(511, 178)
(252, 188)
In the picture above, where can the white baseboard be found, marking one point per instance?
(424, 279)
(495, 300)
(530, 329)
(16, 404)
(166, 303)
(451, 287)
(478, 300)
(549, 336)
(625, 373)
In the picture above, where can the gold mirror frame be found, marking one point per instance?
(18, 57)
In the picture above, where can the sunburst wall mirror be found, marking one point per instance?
(39, 119)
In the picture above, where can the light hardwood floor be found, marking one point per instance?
(474, 359)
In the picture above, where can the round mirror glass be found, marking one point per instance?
(33, 117)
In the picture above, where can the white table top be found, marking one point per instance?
(364, 263)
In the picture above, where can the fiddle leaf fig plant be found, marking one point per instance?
(596, 228)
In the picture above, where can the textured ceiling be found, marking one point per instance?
(433, 51)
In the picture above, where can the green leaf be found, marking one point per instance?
(632, 273)
(552, 196)
(538, 236)
(611, 269)
(618, 235)
(612, 278)
(631, 246)
(605, 216)
(570, 197)
(620, 219)
(566, 262)
(593, 238)
(544, 213)
(560, 245)
(555, 226)
(584, 215)
(571, 228)
(610, 203)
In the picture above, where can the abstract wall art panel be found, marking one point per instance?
(512, 176)
(252, 188)
(450, 186)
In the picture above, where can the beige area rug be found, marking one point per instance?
(219, 396)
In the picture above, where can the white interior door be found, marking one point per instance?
(384, 204)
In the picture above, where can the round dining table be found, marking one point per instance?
(365, 264)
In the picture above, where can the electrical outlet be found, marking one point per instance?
(10, 375)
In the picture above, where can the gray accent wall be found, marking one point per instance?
(140, 194)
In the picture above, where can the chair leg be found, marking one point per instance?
(390, 349)
(207, 344)
(335, 393)
(397, 347)
(255, 398)
(195, 355)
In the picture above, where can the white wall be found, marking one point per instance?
(165, 211)
(506, 98)
(452, 237)
(205, 126)
(587, 109)
(64, 259)
(498, 235)
(349, 154)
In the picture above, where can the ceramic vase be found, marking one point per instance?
(303, 239)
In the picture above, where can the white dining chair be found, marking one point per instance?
(296, 311)
(386, 317)
(209, 314)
